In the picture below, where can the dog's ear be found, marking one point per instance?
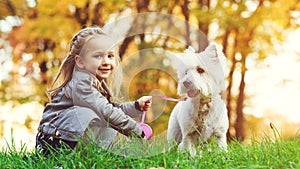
(211, 50)
(220, 57)
(215, 61)
(213, 54)
(209, 55)
(174, 58)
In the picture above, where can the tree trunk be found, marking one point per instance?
(81, 15)
(98, 13)
(202, 40)
(141, 6)
(203, 26)
(239, 123)
(185, 12)
(230, 78)
(240, 120)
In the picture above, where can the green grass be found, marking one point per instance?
(154, 154)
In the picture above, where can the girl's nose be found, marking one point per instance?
(105, 60)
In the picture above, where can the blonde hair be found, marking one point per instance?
(65, 72)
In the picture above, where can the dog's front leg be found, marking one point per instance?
(187, 143)
(222, 143)
(174, 131)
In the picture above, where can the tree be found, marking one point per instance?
(243, 28)
(245, 22)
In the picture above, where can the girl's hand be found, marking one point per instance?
(145, 102)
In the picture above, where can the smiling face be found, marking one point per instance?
(97, 56)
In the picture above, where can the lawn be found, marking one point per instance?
(268, 153)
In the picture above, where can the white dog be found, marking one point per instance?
(203, 115)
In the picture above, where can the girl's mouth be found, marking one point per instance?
(104, 70)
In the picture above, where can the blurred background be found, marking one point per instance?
(260, 39)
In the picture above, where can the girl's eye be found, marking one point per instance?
(110, 56)
(200, 70)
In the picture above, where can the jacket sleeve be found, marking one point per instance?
(129, 109)
(84, 94)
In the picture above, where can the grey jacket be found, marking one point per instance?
(79, 103)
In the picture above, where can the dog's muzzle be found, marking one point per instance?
(187, 83)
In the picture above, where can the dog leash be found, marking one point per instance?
(169, 98)
(145, 127)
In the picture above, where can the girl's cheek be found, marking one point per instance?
(99, 61)
(113, 63)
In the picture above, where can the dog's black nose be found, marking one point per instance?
(186, 84)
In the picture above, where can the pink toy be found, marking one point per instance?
(145, 127)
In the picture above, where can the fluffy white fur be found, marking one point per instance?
(203, 115)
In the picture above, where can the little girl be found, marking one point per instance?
(80, 103)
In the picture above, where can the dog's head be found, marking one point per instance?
(199, 73)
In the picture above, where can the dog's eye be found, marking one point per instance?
(200, 70)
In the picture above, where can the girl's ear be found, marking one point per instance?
(79, 62)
